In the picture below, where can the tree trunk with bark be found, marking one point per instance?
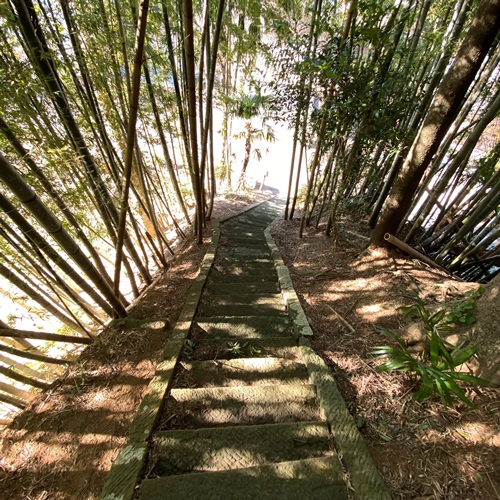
(443, 111)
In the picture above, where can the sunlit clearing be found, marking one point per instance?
(374, 312)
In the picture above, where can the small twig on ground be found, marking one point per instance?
(321, 273)
(492, 484)
(342, 320)
(352, 307)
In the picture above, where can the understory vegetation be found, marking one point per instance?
(435, 367)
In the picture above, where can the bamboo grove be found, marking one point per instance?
(383, 75)
(107, 140)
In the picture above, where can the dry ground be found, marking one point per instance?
(64, 444)
(424, 451)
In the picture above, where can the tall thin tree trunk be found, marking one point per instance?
(10, 177)
(191, 89)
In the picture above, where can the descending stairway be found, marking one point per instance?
(242, 420)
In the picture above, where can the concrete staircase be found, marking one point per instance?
(243, 419)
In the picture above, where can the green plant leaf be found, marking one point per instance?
(443, 391)
(437, 371)
(437, 317)
(462, 356)
(459, 393)
(448, 360)
(390, 333)
(393, 365)
(424, 392)
(434, 348)
(471, 379)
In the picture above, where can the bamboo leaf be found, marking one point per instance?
(463, 356)
(434, 349)
(464, 377)
(459, 393)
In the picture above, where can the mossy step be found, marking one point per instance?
(245, 232)
(224, 266)
(229, 262)
(242, 309)
(252, 224)
(262, 219)
(258, 276)
(241, 288)
(311, 479)
(236, 229)
(273, 309)
(244, 299)
(226, 448)
(245, 221)
(197, 349)
(254, 253)
(229, 241)
(241, 371)
(256, 327)
(265, 215)
(243, 405)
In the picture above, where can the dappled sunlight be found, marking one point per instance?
(412, 443)
(373, 313)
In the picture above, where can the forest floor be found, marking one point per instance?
(64, 444)
(423, 450)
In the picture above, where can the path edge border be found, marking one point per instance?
(351, 447)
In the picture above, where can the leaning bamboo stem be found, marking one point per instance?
(131, 130)
(33, 356)
(55, 337)
(411, 251)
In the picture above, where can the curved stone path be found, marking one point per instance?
(251, 412)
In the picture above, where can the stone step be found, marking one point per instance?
(225, 448)
(252, 224)
(243, 327)
(267, 214)
(242, 309)
(245, 252)
(244, 299)
(244, 232)
(257, 237)
(240, 371)
(262, 220)
(199, 349)
(230, 262)
(310, 479)
(241, 288)
(254, 404)
(228, 241)
(235, 224)
(243, 268)
(256, 276)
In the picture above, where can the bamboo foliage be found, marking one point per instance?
(385, 79)
(101, 169)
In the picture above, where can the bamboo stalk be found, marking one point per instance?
(25, 334)
(36, 357)
(412, 252)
